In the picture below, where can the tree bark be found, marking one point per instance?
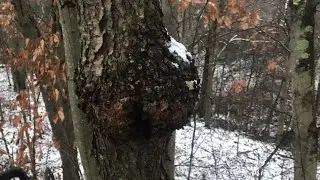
(28, 29)
(130, 86)
(205, 104)
(302, 67)
(283, 117)
(63, 133)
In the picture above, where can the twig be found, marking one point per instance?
(284, 137)
(275, 39)
(2, 133)
(192, 144)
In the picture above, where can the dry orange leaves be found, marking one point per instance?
(238, 87)
(272, 66)
(237, 12)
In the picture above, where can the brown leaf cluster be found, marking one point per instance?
(236, 8)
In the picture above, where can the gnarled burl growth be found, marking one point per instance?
(133, 84)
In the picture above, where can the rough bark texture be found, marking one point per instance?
(132, 95)
(83, 133)
(302, 66)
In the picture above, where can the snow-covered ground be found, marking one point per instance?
(225, 155)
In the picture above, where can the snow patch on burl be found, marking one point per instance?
(179, 49)
(183, 57)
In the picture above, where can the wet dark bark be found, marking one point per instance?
(132, 96)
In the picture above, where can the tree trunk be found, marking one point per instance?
(205, 104)
(62, 131)
(132, 88)
(283, 106)
(302, 67)
(28, 29)
(171, 18)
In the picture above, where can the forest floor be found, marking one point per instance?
(224, 155)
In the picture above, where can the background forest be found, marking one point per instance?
(256, 116)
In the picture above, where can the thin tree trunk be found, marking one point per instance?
(283, 106)
(28, 29)
(83, 133)
(302, 66)
(171, 18)
(62, 131)
(283, 117)
(205, 104)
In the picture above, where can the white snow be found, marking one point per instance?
(178, 49)
(220, 154)
(175, 64)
